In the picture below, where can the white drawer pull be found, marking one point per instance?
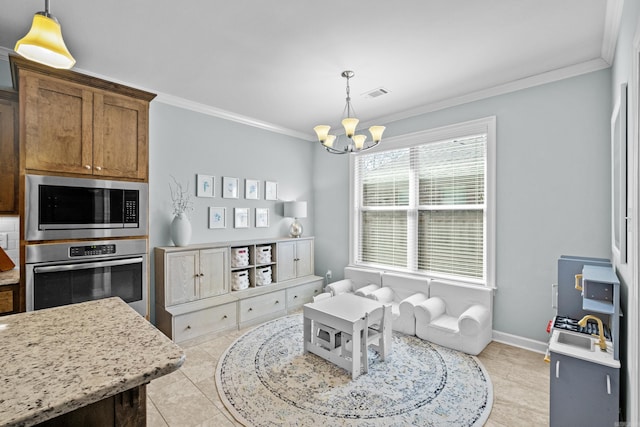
(557, 369)
(608, 384)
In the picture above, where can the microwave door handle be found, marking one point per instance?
(86, 265)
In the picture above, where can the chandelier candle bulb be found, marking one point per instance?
(329, 141)
(358, 140)
(376, 133)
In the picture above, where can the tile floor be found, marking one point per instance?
(188, 397)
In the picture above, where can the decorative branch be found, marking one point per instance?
(181, 198)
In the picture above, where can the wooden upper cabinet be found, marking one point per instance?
(77, 124)
(8, 152)
(120, 136)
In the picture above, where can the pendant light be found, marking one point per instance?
(43, 43)
(354, 142)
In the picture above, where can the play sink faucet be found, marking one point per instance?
(583, 322)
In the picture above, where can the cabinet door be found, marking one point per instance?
(214, 266)
(182, 277)
(582, 393)
(286, 263)
(304, 258)
(120, 141)
(8, 158)
(58, 123)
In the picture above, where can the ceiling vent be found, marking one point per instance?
(376, 93)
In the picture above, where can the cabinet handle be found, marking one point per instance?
(188, 326)
(557, 369)
(608, 384)
(98, 168)
(250, 309)
(201, 274)
(224, 317)
(578, 284)
(277, 302)
(87, 167)
(295, 296)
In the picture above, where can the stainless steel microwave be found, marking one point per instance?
(74, 208)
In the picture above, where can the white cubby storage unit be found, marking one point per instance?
(208, 288)
(253, 265)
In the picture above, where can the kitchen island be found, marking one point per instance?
(80, 364)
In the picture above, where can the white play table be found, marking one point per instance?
(344, 312)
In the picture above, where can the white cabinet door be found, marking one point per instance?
(214, 267)
(304, 258)
(182, 277)
(286, 263)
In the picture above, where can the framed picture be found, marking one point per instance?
(217, 217)
(204, 185)
(241, 218)
(270, 190)
(619, 175)
(262, 217)
(251, 189)
(229, 187)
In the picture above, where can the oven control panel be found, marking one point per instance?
(92, 250)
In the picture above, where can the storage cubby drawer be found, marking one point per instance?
(300, 295)
(201, 322)
(261, 306)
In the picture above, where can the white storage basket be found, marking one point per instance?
(239, 257)
(239, 280)
(263, 276)
(263, 254)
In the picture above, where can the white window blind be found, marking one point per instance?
(422, 208)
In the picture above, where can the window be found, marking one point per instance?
(425, 203)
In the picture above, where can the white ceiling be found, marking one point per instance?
(277, 64)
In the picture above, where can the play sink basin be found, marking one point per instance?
(585, 343)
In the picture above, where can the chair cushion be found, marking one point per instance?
(446, 323)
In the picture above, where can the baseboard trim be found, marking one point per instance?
(517, 341)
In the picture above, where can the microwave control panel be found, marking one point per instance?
(92, 250)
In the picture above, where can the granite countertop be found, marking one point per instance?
(10, 277)
(60, 359)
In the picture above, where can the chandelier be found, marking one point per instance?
(352, 142)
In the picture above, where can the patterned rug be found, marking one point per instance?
(264, 379)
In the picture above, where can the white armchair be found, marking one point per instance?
(403, 292)
(456, 316)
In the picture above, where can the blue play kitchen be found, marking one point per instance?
(584, 348)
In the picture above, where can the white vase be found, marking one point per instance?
(181, 230)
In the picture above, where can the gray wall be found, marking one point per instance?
(553, 194)
(184, 143)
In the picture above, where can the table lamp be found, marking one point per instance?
(295, 210)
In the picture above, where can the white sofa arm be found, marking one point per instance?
(340, 287)
(429, 310)
(473, 320)
(408, 305)
(366, 290)
(384, 295)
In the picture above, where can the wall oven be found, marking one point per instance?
(58, 208)
(67, 273)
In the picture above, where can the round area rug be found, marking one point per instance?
(264, 379)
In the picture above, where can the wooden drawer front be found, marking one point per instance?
(8, 299)
(191, 325)
(263, 305)
(303, 294)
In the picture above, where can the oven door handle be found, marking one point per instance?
(86, 265)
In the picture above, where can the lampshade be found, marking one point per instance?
(358, 140)
(350, 126)
(376, 132)
(44, 44)
(295, 209)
